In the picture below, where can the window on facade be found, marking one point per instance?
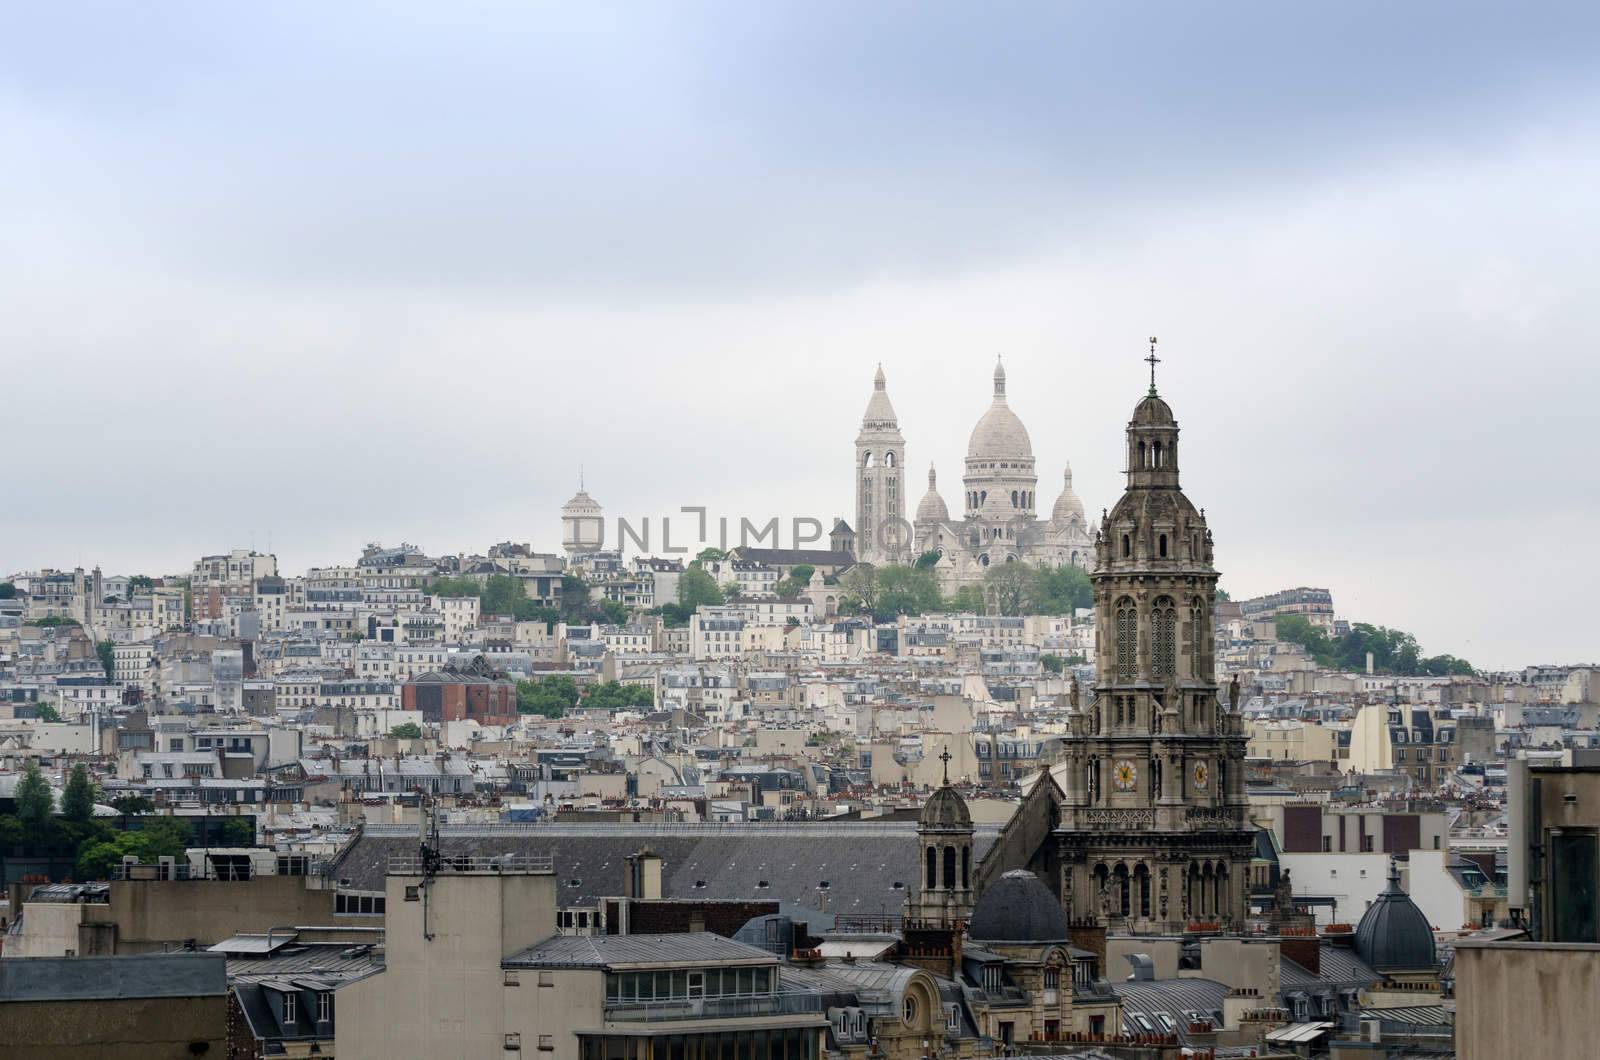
(1164, 624)
(325, 1006)
(288, 1008)
(1127, 640)
(1574, 879)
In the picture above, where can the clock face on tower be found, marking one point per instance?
(1125, 775)
(1201, 776)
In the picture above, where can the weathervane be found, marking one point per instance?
(1152, 361)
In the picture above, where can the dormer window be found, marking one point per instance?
(288, 1008)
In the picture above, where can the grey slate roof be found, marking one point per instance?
(624, 951)
(1174, 997)
(860, 861)
(105, 978)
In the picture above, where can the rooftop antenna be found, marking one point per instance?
(1152, 361)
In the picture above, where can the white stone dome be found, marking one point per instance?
(932, 509)
(1068, 507)
(1000, 435)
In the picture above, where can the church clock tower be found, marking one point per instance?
(1153, 832)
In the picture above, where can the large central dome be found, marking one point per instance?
(1000, 435)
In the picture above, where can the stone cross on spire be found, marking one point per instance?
(1152, 361)
(945, 758)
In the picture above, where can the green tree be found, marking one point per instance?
(1009, 587)
(861, 582)
(46, 712)
(673, 616)
(140, 583)
(459, 586)
(789, 587)
(108, 657)
(501, 595)
(77, 800)
(53, 621)
(613, 612)
(802, 572)
(1059, 590)
(709, 555)
(1222, 595)
(1053, 664)
(613, 695)
(697, 589)
(35, 803)
(406, 730)
(238, 832)
(575, 599)
(133, 805)
(8, 591)
(928, 559)
(906, 591)
(551, 697)
(968, 598)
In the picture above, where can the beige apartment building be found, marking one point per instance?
(474, 969)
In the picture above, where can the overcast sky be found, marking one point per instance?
(333, 274)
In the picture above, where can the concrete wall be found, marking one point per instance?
(149, 913)
(1526, 999)
(445, 995)
(1354, 880)
(160, 1028)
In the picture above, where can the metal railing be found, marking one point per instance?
(415, 864)
(792, 1003)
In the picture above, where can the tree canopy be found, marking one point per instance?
(698, 589)
(613, 695)
(407, 730)
(35, 803)
(1393, 651)
(77, 801)
(108, 657)
(46, 712)
(8, 591)
(550, 697)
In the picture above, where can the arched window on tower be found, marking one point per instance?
(983, 497)
(1143, 457)
(1014, 500)
(1127, 640)
(888, 459)
(966, 868)
(1163, 625)
(1127, 546)
(949, 868)
(1155, 454)
(866, 459)
(933, 868)
(1162, 546)
(1197, 634)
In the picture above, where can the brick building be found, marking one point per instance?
(474, 691)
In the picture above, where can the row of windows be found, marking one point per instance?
(670, 986)
(360, 904)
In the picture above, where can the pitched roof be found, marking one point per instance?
(859, 861)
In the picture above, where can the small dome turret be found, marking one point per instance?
(1018, 909)
(932, 509)
(1394, 935)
